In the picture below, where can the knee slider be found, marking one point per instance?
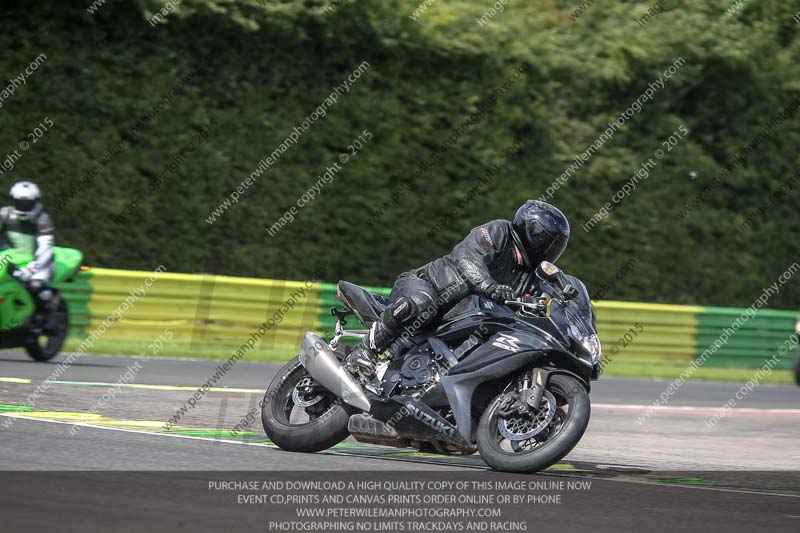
(420, 308)
(425, 307)
(400, 313)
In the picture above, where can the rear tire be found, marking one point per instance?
(46, 345)
(797, 367)
(321, 433)
(552, 450)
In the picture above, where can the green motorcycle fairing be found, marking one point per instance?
(16, 303)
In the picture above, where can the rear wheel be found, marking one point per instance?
(300, 415)
(797, 367)
(45, 342)
(532, 440)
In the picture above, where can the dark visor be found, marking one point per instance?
(24, 206)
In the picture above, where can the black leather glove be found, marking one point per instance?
(496, 291)
(500, 293)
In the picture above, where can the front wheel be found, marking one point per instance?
(300, 415)
(45, 342)
(514, 441)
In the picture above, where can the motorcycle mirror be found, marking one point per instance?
(548, 271)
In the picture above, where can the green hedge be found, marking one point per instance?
(247, 71)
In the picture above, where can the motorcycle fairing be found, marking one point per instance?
(414, 420)
(521, 343)
(504, 354)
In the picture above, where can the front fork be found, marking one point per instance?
(531, 385)
(533, 395)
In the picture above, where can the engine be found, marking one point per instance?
(417, 371)
(421, 371)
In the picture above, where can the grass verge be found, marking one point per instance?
(673, 371)
(276, 355)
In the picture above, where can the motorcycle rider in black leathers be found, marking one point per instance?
(497, 260)
(30, 229)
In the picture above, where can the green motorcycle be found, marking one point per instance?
(22, 324)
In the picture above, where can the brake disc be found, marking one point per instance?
(528, 425)
(298, 400)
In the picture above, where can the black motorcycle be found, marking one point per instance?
(511, 381)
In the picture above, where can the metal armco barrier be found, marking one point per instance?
(209, 310)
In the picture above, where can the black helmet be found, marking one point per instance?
(541, 231)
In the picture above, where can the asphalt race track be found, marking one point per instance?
(671, 472)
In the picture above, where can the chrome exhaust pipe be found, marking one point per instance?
(320, 361)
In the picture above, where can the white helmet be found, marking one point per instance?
(26, 197)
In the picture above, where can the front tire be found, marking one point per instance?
(327, 420)
(562, 434)
(42, 345)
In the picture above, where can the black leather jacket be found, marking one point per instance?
(486, 255)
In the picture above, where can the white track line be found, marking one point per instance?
(692, 409)
(226, 441)
(677, 409)
(25, 381)
(416, 460)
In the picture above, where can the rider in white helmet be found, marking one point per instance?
(29, 229)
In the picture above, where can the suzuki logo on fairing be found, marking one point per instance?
(429, 421)
(507, 342)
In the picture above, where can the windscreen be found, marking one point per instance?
(577, 312)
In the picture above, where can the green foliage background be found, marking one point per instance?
(263, 65)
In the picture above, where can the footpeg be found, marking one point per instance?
(360, 360)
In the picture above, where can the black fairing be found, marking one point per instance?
(515, 342)
(506, 343)
(415, 420)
